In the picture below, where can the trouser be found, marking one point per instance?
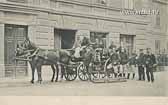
(122, 70)
(141, 73)
(131, 71)
(149, 73)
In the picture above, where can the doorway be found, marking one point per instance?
(14, 34)
(64, 39)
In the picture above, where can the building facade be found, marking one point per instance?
(57, 23)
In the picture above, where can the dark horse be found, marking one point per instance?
(39, 57)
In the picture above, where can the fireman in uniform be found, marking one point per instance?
(123, 61)
(132, 65)
(114, 58)
(140, 63)
(150, 63)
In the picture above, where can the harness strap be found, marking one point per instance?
(35, 52)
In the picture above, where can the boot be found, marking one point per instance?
(115, 75)
(119, 75)
(123, 74)
(133, 76)
(128, 75)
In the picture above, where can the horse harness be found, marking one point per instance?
(27, 56)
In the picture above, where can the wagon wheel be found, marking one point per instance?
(70, 73)
(82, 72)
(108, 69)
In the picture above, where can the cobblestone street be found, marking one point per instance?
(77, 88)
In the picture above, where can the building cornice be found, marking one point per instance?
(17, 7)
(95, 5)
(34, 10)
(161, 1)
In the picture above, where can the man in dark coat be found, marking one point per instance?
(140, 63)
(123, 61)
(114, 59)
(150, 63)
(132, 65)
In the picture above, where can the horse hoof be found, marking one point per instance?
(52, 80)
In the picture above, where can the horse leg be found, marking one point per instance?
(62, 72)
(33, 71)
(57, 72)
(53, 69)
(39, 73)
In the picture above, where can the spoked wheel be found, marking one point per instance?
(82, 72)
(108, 68)
(70, 73)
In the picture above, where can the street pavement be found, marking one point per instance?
(22, 87)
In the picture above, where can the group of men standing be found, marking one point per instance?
(146, 61)
(123, 64)
(134, 63)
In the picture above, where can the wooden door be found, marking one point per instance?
(14, 34)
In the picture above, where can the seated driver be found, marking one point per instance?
(79, 46)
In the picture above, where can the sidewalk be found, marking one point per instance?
(24, 81)
(160, 77)
(14, 82)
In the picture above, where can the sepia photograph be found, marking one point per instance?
(84, 48)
